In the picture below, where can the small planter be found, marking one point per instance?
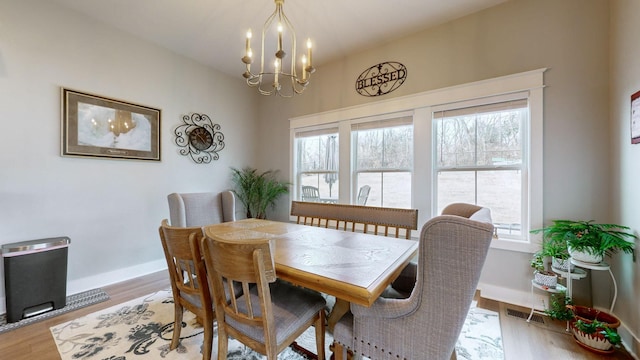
(562, 264)
(588, 314)
(595, 342)
(546, 278)
(585, 256)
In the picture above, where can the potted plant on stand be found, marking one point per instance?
(587, 241)
(257, 191)
(556, 248)
(542, 276)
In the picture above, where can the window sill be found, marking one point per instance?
(513, 245)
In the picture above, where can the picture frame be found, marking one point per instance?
(635, 118)
(100, 127)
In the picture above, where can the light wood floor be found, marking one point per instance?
(521, 340)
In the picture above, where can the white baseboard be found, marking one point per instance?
(630, 340)
(507, 295)
(108, 278)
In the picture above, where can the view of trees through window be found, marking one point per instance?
(479, 159)
(384, 161)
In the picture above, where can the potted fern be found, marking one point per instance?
(257, 190)
(587, 241)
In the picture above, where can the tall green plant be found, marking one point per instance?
(257, 191)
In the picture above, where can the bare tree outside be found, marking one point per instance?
(479, 159)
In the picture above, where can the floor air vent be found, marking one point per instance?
(519, 314)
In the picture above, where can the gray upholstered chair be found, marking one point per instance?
(200, 209)
(426, 325)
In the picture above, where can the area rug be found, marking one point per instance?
(141, 329)
(73, 302)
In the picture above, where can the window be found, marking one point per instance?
(383, 157)
(481, 159)
(317, 165)
(479, 142)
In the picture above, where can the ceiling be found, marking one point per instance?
(213, 31)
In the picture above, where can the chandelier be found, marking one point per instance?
(278, 75)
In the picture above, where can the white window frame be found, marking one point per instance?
(421, 106)
(295, 171)
(523, 167)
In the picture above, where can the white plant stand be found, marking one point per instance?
(569, 274)
(534, 285)
(602, 266)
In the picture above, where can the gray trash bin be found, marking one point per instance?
(35, 276)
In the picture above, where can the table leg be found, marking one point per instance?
(339, 309)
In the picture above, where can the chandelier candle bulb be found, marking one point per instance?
(309, 51)
(304, 66)
(279, 36)
(248, 42)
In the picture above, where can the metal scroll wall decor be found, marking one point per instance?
(381, 79)
(199, 138)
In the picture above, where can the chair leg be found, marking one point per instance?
(454, 356)
(339, 352)
(320, 331)
(207, 343)
(177, 325)
(222, 343)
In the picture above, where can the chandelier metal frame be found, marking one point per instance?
(271, 82)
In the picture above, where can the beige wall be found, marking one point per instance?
(111, 209)
(625, 158)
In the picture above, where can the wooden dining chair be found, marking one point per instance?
(270, 314)
(188, 280)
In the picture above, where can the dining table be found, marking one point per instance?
(353, 267)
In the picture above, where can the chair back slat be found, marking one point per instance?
(233, 263)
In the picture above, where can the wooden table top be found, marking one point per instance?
(351, 266)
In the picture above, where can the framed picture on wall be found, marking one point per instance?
(635, 118)
(96, 126)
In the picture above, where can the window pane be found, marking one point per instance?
(328, 190)
(385, 148)
(318, 164)
(318, 153)
(500, 191)
(484, 139)
(455, 186)
(388, 189)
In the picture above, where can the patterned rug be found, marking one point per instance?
(73, 302)
(141, 329)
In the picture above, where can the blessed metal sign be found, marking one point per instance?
(381, 79)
